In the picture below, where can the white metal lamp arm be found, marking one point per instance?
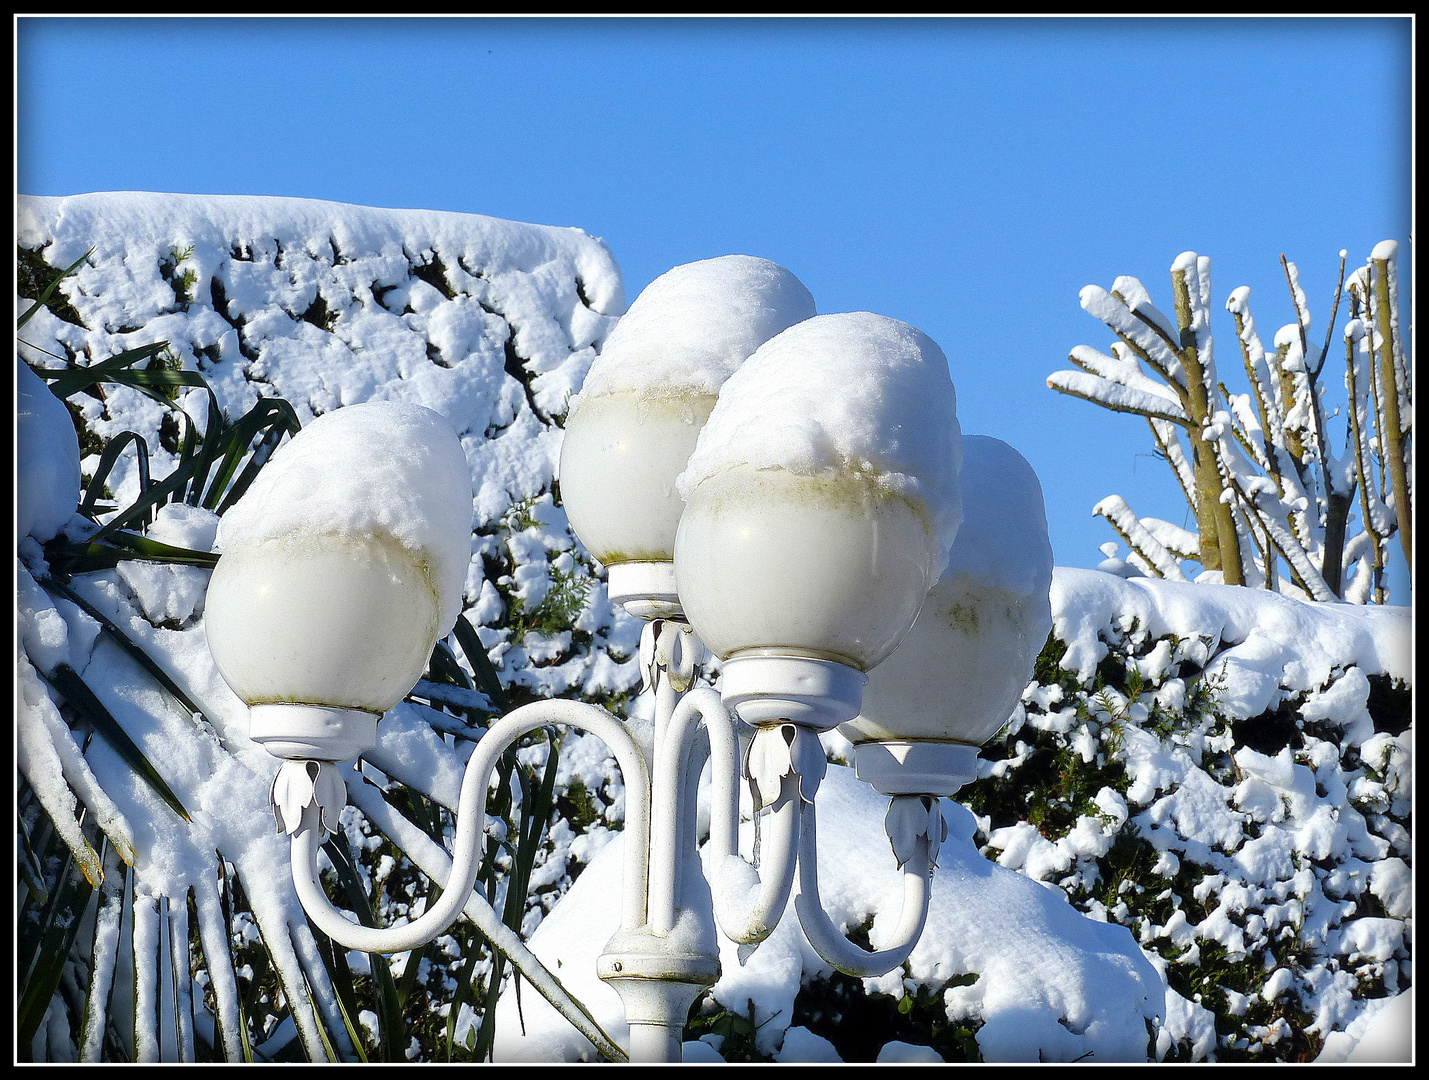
(836, 949)
(748, 901)
(470, 821)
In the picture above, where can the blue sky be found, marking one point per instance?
(968, 176)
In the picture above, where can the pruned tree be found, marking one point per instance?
(1274, 503)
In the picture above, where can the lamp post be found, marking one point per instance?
(800, 561)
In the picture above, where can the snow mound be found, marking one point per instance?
(1267, 647)
(1049, 981)
(903, 1053)
(853, 391)
(46, 459)
(1382, 1034)
(491, 324)
(694, 325)
(381, 468)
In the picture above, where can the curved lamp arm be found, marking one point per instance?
(470, 821)
(831, 945)
(435, 861)
(749, 900)
(674, 749)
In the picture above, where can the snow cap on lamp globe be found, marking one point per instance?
(692, 326)
(381, 467)
(820, 503)
(852, 391)
(341, 567)
(632, 427)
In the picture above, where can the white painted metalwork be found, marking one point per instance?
(665, 953)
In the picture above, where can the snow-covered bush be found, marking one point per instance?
(1275, 503)
(1226, 772)
(1208, 783)
(182, 313)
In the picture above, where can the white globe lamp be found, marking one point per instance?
(335, 583)
(635, 423)
(819, 506)
(960, 672)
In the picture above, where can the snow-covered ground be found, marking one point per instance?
(1191, 841)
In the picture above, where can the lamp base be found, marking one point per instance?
(646, 589)
(817, 694)
(658, 979)
(312, 732)
(913, 767)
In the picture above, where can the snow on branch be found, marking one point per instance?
(1163, 563)
(1115, 396)
(1182, 543)
(1134, 295)
(1261, 472)
(1141, 337)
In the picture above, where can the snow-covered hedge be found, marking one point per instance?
(1226, 772)
(491, 323)
(1211, 783)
